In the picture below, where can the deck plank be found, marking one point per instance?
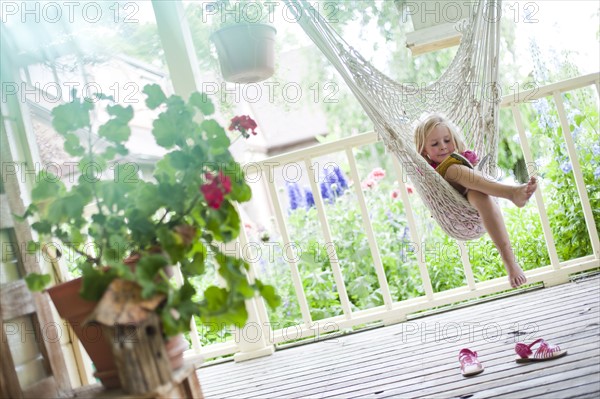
(395, 361)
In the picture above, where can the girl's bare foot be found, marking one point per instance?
(516, 277)
(523, 192)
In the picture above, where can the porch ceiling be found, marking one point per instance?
(419, 358)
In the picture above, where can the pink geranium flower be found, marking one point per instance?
(368, 183)
(396, 192)
(377, 174)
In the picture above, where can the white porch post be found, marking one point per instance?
(252, 338)
(176, 41)
(181, 60)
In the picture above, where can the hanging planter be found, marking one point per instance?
(246, 52)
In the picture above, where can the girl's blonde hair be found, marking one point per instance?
(430, 122)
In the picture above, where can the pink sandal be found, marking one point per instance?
(469, 364)
(545, 351)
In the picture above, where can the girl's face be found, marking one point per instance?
(439, 144)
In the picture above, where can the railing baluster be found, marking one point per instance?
(329, 244)
(412, 225)
(539, 199)
(299, 289)
(196, 344)
(383, 284)
(261, 308)
(464, 255)
(579, 183)
(557, 271)
(251, 346)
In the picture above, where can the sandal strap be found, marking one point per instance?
(466, 357)
(544, 350)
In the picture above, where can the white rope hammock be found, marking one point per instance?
(467, 93)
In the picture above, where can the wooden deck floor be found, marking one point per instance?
(419, 358)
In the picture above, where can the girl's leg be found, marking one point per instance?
(494, 225)
(475, 180)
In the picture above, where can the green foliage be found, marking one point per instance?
(440, 253)
(139, 227)
(561, 197)
(36, 281)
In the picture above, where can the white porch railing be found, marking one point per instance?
(555, 273)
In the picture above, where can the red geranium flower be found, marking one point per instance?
(243, 124)
(215, 189)
(225, 182)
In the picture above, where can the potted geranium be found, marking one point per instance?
(128, 228)
(245, 43)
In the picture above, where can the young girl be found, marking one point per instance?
(436, 138)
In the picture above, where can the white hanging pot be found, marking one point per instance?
(246, 52)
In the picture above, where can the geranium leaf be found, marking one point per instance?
(72, 146)
(95, 282)
(203, 103)
(197, 266)
(115, 131)
(156, 96)
(148, 266)
(123, 114)
(71, 116)
(37, 282)
(48, 186)
(269, 294)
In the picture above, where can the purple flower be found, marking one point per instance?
(336, 180)
(405, 233)
(326, 191)
(566, 166)
(596, 149)
(575, 133)
(331, 180)
(341, 178)
(308, 197)
(294, 195)
(390, 217)
(597, 173)
(542, 108)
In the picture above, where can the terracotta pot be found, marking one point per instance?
(75, 310)
(246, 52)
